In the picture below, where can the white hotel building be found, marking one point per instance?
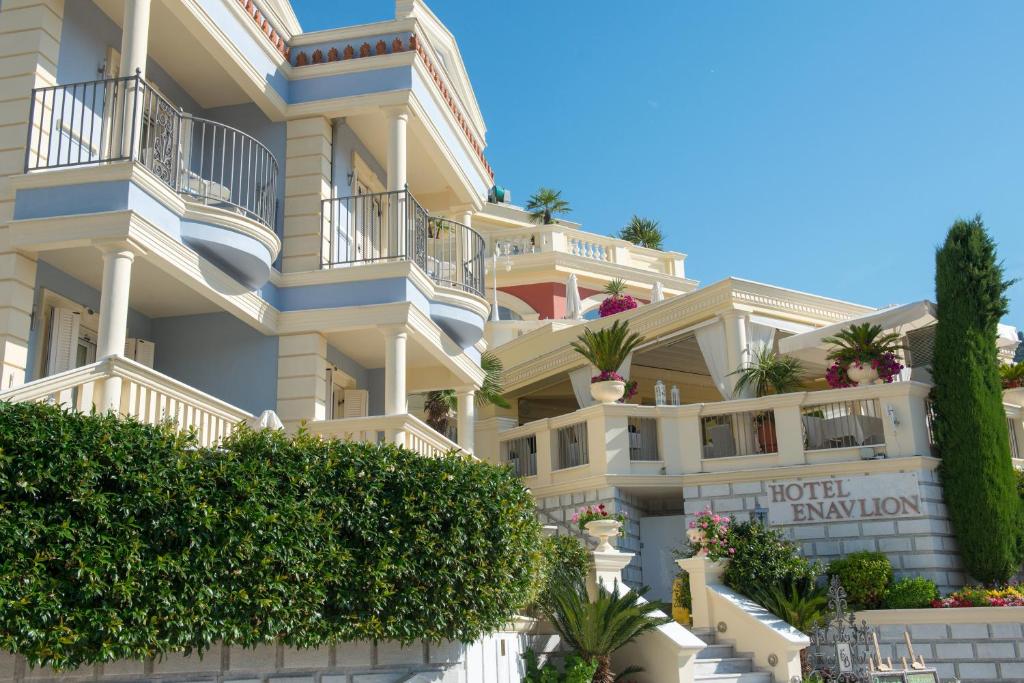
(207, 213)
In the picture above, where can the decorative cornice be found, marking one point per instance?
(263, 24)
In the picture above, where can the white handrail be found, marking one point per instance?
(146, 395)
(404, 430)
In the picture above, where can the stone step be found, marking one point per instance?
(723, 665)
(750, 677)
(716, 652)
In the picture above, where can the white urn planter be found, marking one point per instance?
(695, 536)
(862, 373)
(607, 392)
(602, 530)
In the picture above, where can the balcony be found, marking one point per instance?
(805, 428)
(126, 119)
(404, 430)
(387, 227)
(563, 239)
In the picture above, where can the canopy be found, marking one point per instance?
(810, 347)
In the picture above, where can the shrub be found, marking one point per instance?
(864, 576)
(682, 596)
(563, 559)
(911, 593)
(576, 669)
(970, 429)
(125, 541)
(764, 558)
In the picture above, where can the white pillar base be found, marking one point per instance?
(702, 572)
(606, 570)
(395, 397)
(467, 419)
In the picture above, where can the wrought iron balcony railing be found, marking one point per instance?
(392, 226)
(121, 119)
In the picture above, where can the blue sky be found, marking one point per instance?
(822, 146)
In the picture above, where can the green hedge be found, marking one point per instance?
(864, 575)
(124, 540)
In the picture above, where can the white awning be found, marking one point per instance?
(810, 347)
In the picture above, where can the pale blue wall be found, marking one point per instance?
(48, 277)
(221, 355)
(345, 143)
(375, 383)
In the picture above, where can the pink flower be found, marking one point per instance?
(693, 525)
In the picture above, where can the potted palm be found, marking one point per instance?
(617, 301)
(862, 354)
(768, 373)
(643, 232)
(607, 350)
(545, 204)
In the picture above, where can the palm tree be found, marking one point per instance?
(596, 629)
(546, 203)
(440, 406)
(607, 349)
(769, 372)
(862, 343)
(643, 232)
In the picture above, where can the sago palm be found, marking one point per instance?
(769, 372)
(1012, 375)
(596, 629)
(801, 603)
(545, 204)
(864, 342)
(441, 405)
(643, 232)
(607, 349)
(616, 287)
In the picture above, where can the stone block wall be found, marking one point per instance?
(559, 510)
(496, 657)
(975, 644)
(920, 546)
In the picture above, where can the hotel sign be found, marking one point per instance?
(873, 497)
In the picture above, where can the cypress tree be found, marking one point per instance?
(971, 430)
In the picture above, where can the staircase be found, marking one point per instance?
(719, 663)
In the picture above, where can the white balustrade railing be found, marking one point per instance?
(783, 430)
(403, 430)
(147, 395)
(563, 239)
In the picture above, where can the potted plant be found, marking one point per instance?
(1012, 376)
(607, 350)
(617, 300)
(545, 204)
(643, 232)
(682, 598)
(863, 354)
(601, 524)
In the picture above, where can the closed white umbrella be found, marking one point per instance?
(657, 292)
(573, 304)
(268, 419)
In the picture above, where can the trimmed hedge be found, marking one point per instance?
(123, 540)
(864, 575)
(911, 593)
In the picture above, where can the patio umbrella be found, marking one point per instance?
(657, 292)
(573, 305)
(268, 419)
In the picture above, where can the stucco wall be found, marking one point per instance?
(492, 659)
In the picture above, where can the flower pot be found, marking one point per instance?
(602, 530)
(609, 391)
(862, 373)
(681, 615)
(695, 536)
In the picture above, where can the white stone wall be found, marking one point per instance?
(493, 659)
(976, 652)
(920, 546)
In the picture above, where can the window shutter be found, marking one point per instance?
(356, 403)
(63, 349)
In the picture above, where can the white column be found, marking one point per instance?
(135, 37)
(735, 323)
(467, 418)
(398, 120)
(394, 370)
(117, 280)
(466, 218)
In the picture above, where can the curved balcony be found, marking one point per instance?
(392, 226)
(205, 162)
